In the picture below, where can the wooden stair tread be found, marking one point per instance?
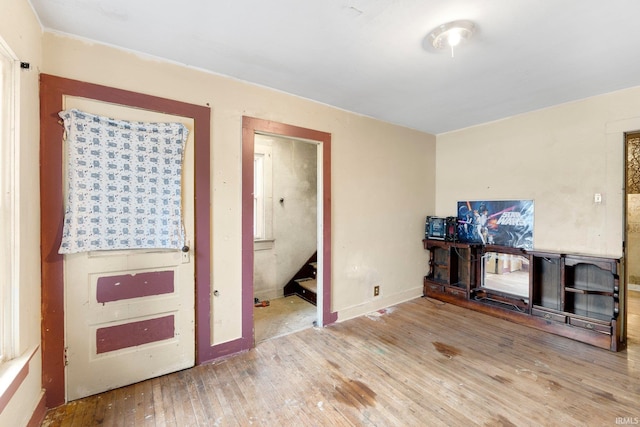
(304, 282)
(308, 284)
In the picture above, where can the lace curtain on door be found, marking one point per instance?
(123, 184)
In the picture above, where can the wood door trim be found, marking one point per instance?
(250, 126)
(52, 91)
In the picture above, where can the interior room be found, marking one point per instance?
(305, 149)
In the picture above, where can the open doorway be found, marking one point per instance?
(250, 128)
(632, 221)
(285, 235)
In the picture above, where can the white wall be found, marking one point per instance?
(559, 157)
(383, 176)
(20, 29)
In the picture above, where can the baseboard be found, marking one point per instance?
(378, 303)
(269, 295)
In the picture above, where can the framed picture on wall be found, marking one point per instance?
(496, 222)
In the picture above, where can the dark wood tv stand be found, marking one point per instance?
(576, 296)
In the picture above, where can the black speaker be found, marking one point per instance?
(451, 231)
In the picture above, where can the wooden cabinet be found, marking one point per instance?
(453, 268)
(582, 293)
(577, 296)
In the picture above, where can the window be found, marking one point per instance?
(8, 291)
(262, 193)
(258, 197)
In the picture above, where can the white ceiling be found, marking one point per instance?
(368, 56)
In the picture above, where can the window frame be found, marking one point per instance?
(9, 226)
(259, 197)
(263, 193)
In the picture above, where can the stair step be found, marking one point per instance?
(309, 284)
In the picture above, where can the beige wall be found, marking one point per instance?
(559, 157)
(20, 30)
(383, 176)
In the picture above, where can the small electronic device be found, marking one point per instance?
(441, 228)
(435, 227)
(451, 234)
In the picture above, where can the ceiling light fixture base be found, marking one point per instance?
(452, 34)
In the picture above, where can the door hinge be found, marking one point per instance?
(66, 357)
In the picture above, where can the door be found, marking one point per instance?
(129, 314)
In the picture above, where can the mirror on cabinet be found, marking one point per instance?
(505, 270)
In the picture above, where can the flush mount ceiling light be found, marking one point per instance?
(451, 34)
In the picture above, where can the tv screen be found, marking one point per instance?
(436, 228)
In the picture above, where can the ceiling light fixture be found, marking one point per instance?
(451, 34)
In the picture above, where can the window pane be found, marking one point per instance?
(258, 197)
(6, 170)
(3, 236)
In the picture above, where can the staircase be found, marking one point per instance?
(304, 282)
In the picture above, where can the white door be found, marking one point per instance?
(129, 314)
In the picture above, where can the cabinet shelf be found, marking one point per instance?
(436, 281)
(588, 292)
(440, 265)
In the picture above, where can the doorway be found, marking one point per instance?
(632, 219)
(250, 128)
(285, 232)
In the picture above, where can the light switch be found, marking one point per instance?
(597, 198)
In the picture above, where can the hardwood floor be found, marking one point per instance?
(419, 363)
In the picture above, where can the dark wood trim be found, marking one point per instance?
(52, 91)
(250, 126)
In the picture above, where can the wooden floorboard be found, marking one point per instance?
(419, 363)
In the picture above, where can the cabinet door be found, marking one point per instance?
(547, 281)
(440, 265)
(589, 291)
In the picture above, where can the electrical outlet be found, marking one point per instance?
(597, 198)
(376, 291)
